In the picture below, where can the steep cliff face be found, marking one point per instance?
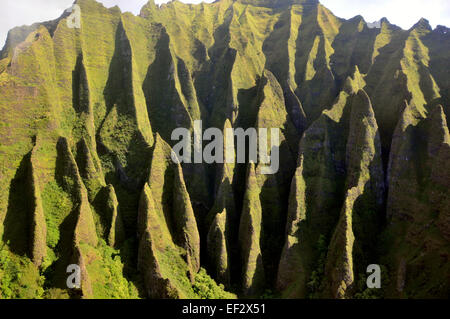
(87, 175)
(167, 224)
(418, 217)
(353, 243)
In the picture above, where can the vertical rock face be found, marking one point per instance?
(86, 142)
(154, 236)
(316, 193)
(347, 162)
(339, 267)
(218, 248)
(38, 227)
(185, 225)
(418, 163)
(90, 170)
(85, 227)
(221, 241)
(169, 239)
(85, 290)
(439, 153)
(250, 235)
(85, 233)
(359, 223)
(401, 164)
(116, 234)
(293, 264)
(439, 195)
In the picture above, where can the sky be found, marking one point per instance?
(403, 13)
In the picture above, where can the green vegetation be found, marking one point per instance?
(57, 206)
(19, 279)
(207, 288)
(106, 273)
(315, 283)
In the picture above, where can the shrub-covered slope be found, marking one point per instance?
(87, 176)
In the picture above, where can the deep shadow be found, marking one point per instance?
(80, 89)
(164, 105)
(352, 48)
(17, 220)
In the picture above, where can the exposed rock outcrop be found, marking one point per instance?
(116, 235)
(250, 234)
(418, 218)
(167, 227)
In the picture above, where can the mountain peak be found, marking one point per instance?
(422, 24)
(442, 29)
(278, 3)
